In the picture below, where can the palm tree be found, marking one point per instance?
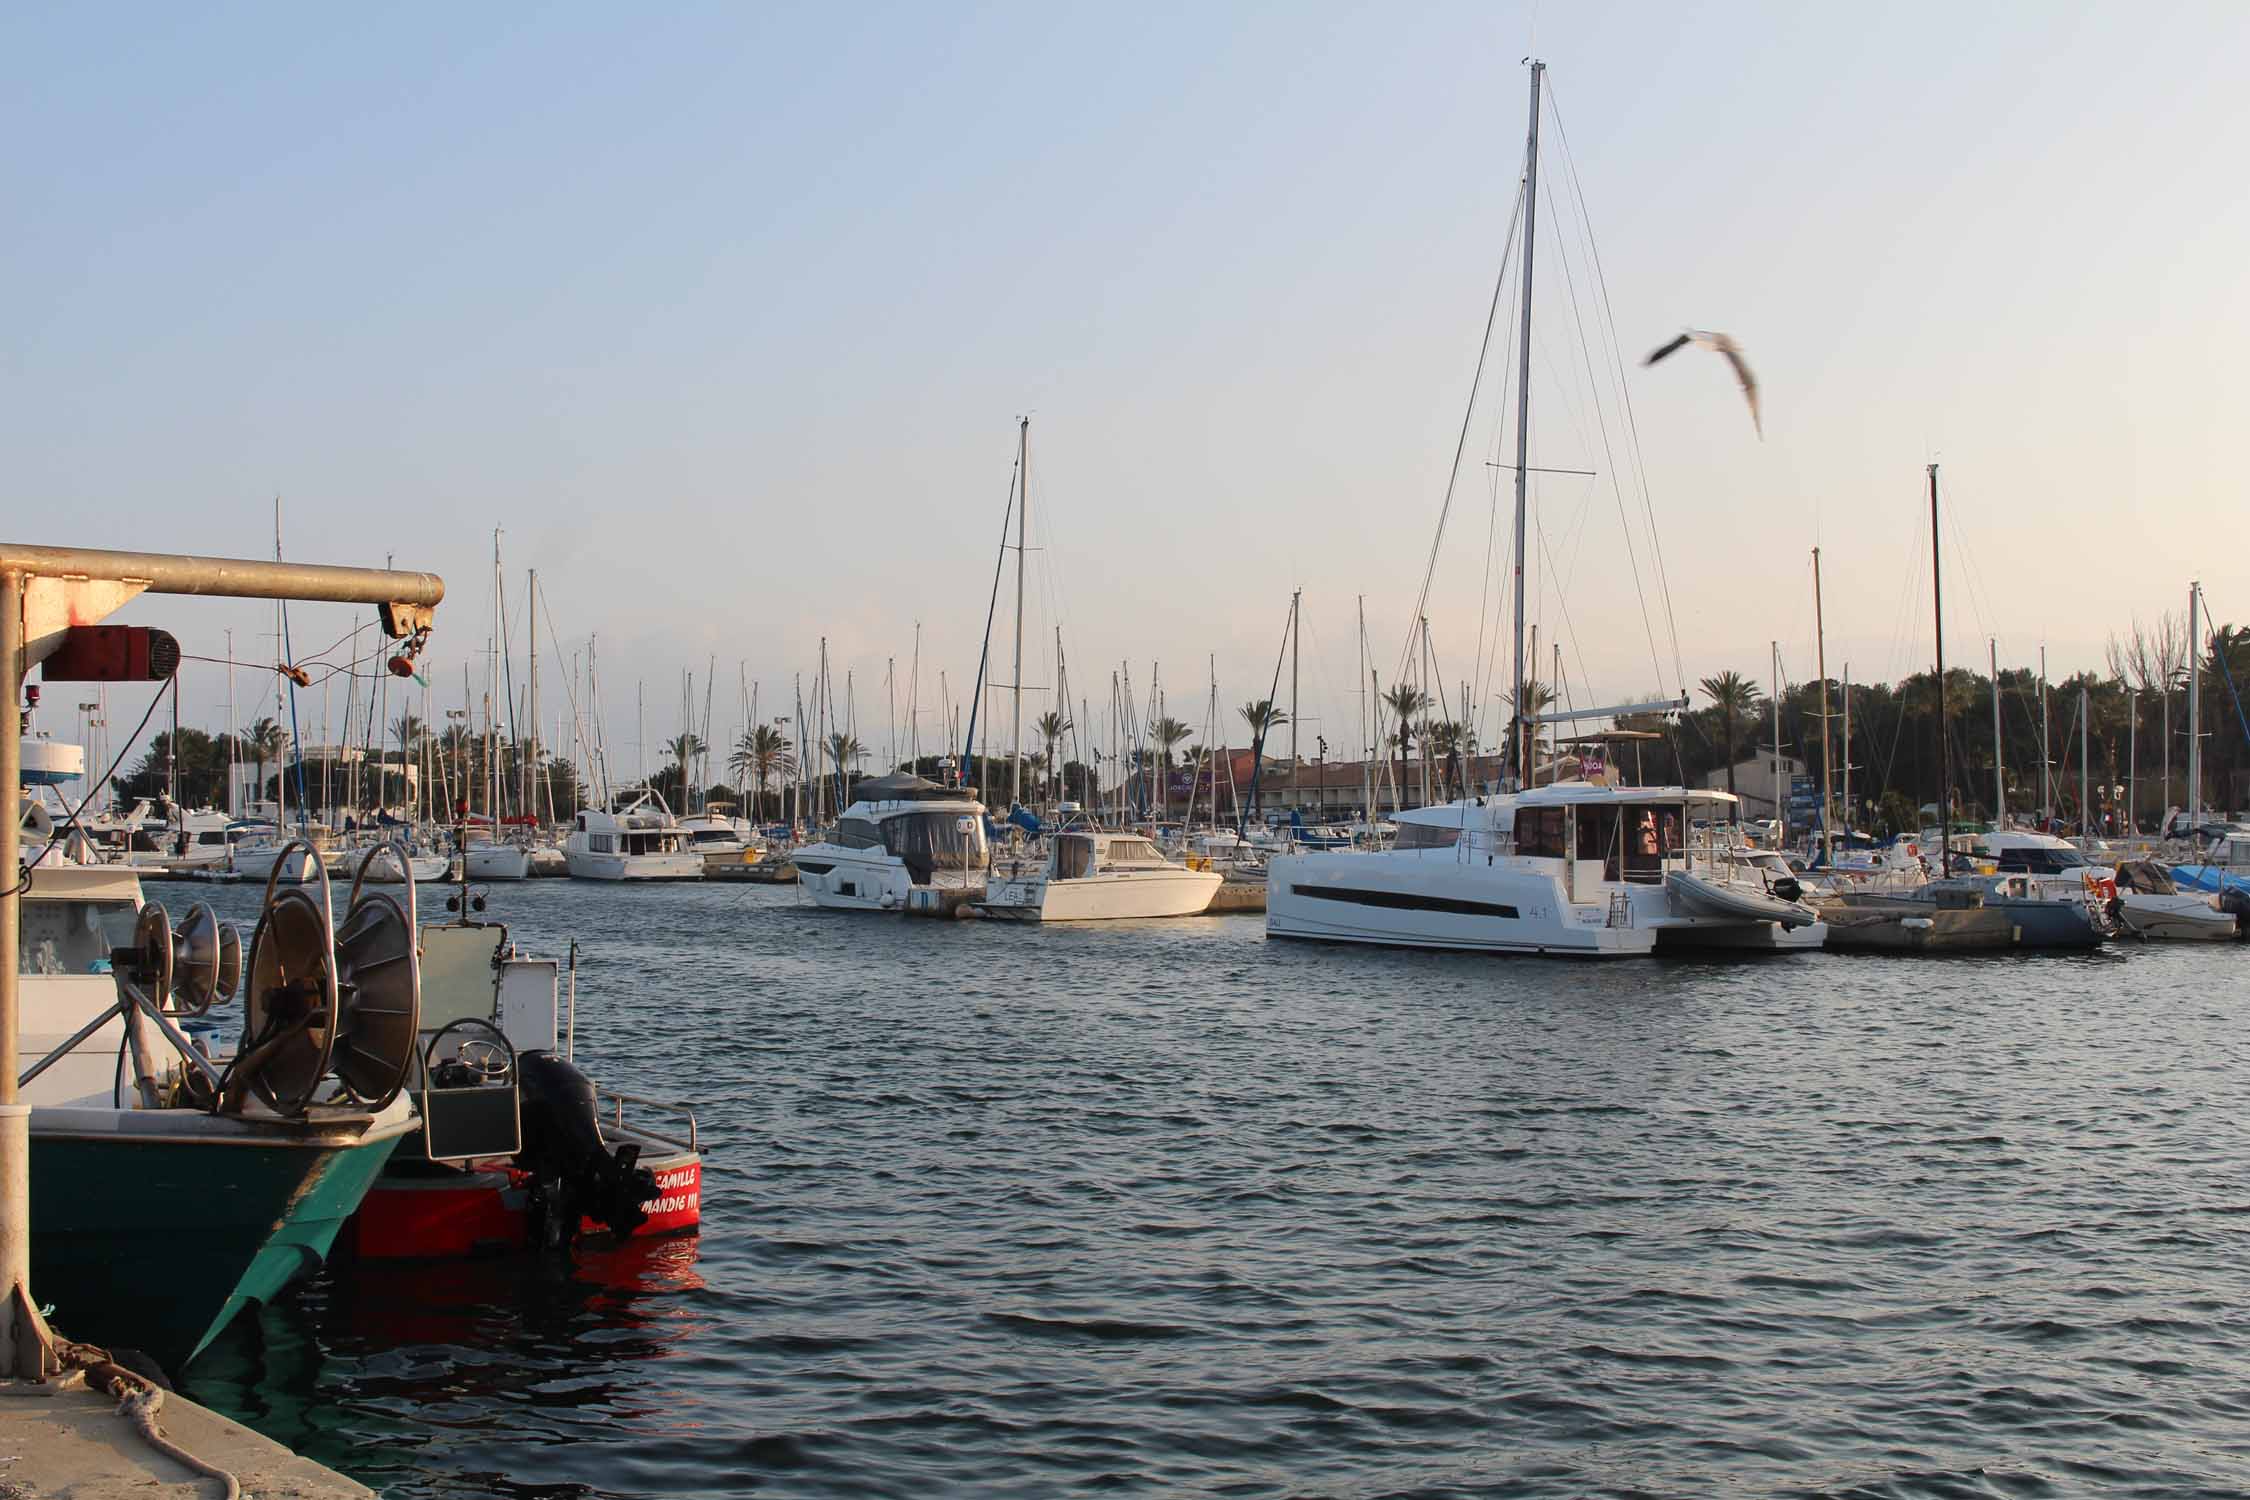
(1405, 701)
(1733, 696)
(1051, 727)
(266, 740)
(1443, 741)
(1167, 733)
(762, 752)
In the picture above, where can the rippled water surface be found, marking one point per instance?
(1165, 1208)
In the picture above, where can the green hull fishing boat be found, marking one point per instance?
(156, 1227)
(169, 1192)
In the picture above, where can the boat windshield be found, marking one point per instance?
(931, 841)
(2039, 861)
(73, 937)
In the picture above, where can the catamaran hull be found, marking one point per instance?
(1403, 901)
(156, 1243)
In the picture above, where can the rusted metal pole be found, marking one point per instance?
(227, 577)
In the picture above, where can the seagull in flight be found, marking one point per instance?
(1722, 344)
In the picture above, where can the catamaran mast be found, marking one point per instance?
(1023, 523)
(1523, 414)
(1296, 798)
(1945, 759)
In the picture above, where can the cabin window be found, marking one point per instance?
(601, 843)
(858, 833)
(1074, 856)
(1133, 852)
(931, 841)
(1539, 832)
(73, 937)
(1647, 834)
(1425, 836)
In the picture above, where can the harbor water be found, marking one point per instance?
(1164, 1208)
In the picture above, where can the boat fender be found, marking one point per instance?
(575, 1173)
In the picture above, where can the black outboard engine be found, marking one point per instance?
(574, 1174)
(2237, 900)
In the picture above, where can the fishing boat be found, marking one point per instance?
(515, 1148)
(638, 839)
(901, 834)
(163, 1202)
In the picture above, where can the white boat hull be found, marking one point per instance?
(840, 879)
(587, 865)
(1112, 896)
(497, 862)
(2184, 916)
(1433, 899)
(425, 867)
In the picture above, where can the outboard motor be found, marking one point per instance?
(574, 1174)
(1789, 888)
(2236, 900)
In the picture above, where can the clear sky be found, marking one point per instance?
(725, 315)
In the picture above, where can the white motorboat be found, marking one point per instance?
(638, 840)
(903, 834)
(2150, 905)
(1091, 876)
(716, 830)
(1577, 868)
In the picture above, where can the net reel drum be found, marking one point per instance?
(326, 997)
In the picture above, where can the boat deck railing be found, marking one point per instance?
(667, 1106)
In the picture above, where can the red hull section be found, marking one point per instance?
(487, 1212)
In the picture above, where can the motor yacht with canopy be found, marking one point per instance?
(900, 835)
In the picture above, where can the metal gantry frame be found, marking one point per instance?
(44, 591)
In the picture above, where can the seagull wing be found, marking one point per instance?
(1673, 346)
(1733, 352)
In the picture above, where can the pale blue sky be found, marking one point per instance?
(725, 315)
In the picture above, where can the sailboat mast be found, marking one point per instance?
(530, 771)
(2085, 773)
(1780, 805)
(2195, 710)
(1023, 531)
(1847, 746)
(1945, 758)
(1820, 634)
(1999, 781)
(492, 700)
(1523, 408)
(2046, 754)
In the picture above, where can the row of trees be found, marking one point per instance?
(2134, 728)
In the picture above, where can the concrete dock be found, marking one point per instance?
(72, 1445)
(1237, 895)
